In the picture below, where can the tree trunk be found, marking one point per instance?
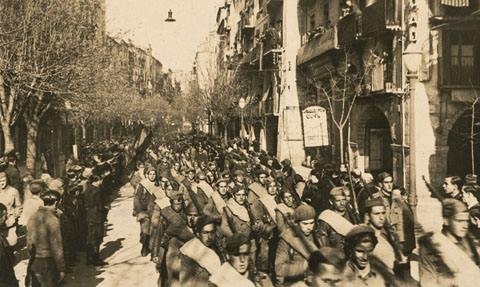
(225, 133)
(7, 137)
(111, 131)
(84, 131)
(342, 151)
(95, 134)
(32, 136)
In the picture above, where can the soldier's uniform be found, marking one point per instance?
(199, 261)
(144, 199)
(294, 249)
(446, 260)
(95, 216)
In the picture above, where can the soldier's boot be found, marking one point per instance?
(96, 257)
(90, 258)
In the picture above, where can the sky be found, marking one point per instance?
(174, 44)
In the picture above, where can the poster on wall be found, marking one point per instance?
(315, 129)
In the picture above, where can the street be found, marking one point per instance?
(120, 249)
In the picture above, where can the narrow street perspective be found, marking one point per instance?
(240, 143)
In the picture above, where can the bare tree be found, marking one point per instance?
(344, 84)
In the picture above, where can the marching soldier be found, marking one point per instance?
(295, 246)
(95, 216)
(145, 195)
(191, 192)
(217, 201)
(200, 256)
(334, 223)
(236, 271)
(450, 257)
(364, 269)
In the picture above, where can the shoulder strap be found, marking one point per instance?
(336, 221)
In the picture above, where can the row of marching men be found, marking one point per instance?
(257, 224)
(61, 216)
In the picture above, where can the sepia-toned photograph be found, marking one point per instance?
(239, 143)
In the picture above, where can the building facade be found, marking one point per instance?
(411, 123)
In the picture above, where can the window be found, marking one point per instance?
(462, 63)
(461, 49)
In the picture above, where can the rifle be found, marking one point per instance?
(253, 221)
(352, 191)
(229, 219)
(433, 190)
(391, 237)
(194, 199)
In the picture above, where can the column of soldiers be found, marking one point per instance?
(212, 214)
(62, 216)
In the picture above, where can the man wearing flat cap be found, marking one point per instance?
(238, 177)
(450, 257)
(295, 246)
(200, 256)
(334, 223)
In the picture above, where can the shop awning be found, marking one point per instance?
(455, 3)
(316, 47)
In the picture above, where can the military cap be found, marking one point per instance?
(36, 186)
(286, 162)
(191, 208)
(383, 175)
(471, 178)
(374, 202)
(226, 180)
(238, 172)
(451, 207)
(203, 221)
(234, 242)
(3, 174)
(164, 173)
(260, 171)
(359, 229)
(304, 212)
(337, 191)
(189, 169)
(176, 195)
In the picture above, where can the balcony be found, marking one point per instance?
(459, 71)
(380, 16)
(318, 46)
(274, 5)
(248, 24)
(349, 29)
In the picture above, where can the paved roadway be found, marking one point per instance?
(120, 249)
